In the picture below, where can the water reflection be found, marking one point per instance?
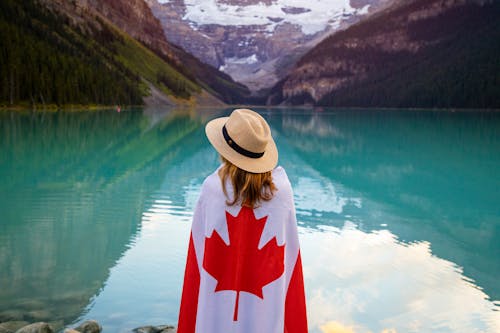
(397, 211)
(372, 282)
(360, 276)
(148, 279)
(436, 172)
(73, 188)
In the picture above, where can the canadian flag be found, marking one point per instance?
(243, 271)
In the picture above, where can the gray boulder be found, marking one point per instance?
(89, 326)
(155, 329)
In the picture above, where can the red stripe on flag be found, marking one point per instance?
(295, 303)
(190, 291)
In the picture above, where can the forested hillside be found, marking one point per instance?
(49, 57)
(422, 53)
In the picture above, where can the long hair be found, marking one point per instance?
(249, 188)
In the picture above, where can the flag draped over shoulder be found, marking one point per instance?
(243, 270)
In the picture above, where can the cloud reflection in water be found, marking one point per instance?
(361, 281)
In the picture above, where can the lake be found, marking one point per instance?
(398, 212)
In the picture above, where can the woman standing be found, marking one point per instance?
(243, 270)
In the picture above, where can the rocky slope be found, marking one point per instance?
(423, 53)
(255, 41)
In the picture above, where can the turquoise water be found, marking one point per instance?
(398, 211)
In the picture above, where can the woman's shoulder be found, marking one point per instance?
(211, 182)
(280, 177)
(282, 183)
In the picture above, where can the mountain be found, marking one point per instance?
(136, 18)
(256, 41)
(107, 52)
(421, 53)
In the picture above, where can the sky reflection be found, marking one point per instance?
(371, 282)
(367, 280)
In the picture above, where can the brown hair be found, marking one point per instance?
(249, 188)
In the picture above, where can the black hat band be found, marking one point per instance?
(237, 148)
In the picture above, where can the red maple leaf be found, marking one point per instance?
(241, 265)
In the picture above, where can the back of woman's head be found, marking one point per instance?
(249, 189)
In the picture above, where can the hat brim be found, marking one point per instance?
(266, 163)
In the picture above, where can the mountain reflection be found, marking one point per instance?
(73, 187)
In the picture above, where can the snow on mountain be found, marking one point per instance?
(255, 40)
(311, 16)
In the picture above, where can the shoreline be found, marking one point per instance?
(317, 109)
(88, 326)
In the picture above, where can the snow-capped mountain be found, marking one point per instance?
(255, 41)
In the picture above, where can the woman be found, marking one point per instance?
(243, 271)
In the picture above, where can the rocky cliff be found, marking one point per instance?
(429, 53)
(253, 41)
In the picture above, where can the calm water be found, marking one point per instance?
(399, 216)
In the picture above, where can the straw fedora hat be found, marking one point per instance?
(244, 139)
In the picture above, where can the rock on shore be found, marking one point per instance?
(40, 327)
(155, 329)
